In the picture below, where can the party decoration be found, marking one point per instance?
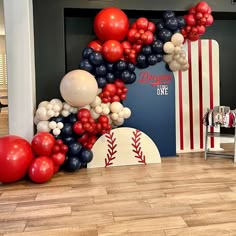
(111, 24)
(124, 146)
(79, 87)
(15, 158)
(112, 50)
(41, 169)
(197, 19)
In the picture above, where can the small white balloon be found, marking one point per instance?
(50, 113)
(127, 112)
(114, 116)
(98, 109)
(119, 121)
(116, 107)
(66, 106)
(121, 114)
(41, 113)
(177, 39)
(184, 67)
(168, 58)
(177, 50)
(57, 114)
(65, 113)
(56, 108)
(56, 131)
(60, 125)
(168, 47)
(174, 66)
(75, 110)
(94, 115)
(36, 120)
(176, 57)
(105, 111)
(43, 104)
(56, 101)
(52, 124)
(96, 102)
(49, 106)
(42, 126)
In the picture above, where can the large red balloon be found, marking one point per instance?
(43, 143)
(111, 23)
(41, 169)
(15, 158)
(112, 50)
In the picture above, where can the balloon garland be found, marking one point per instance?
(93, 94)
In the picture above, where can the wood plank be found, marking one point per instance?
(81, 219)
(12, 226)
(147, 233)
(228, 229)
(15, 199)
(142, 226)
(35, 214)
(70, 231)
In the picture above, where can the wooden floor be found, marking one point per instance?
(182, 196)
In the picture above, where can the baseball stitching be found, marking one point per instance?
(111, 149)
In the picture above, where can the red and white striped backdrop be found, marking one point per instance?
(196, 90)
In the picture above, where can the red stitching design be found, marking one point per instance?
(137, 147)
(111, 149)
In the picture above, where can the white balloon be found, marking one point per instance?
(56, 131)
(36, 120)
(94, 114)
(66, 106)
(78, 88)
(127, 112)
(56, 101)
(57, 114)
(177, 39)
(42, 126)
(75, 110)
(56, 108)
(98, 109)
(41, 113)
(176, 57)
(119, 121)
(116, 107)
(49, 106)
(60, 125)
(168, 47)
(65, 113)
(184, 67)
(114, 116)
(103, 105)
(121, 114)
(52, 124)
(50, 113)
(168, 58)
(105, 111)
(97, 102)
(43, 104)
(177, 50)
(174, 66)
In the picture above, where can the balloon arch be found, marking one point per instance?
(93, 94)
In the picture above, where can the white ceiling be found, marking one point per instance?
(2, 28)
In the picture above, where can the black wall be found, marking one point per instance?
(60, 36)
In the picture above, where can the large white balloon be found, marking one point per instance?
(78, 88)
(177, 39)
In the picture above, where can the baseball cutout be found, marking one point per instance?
(124, 146)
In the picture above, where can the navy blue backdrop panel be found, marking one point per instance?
(152, 102)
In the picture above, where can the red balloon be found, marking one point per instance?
(78, 127)
(209, 20)
(151, 27)
(202, 7)
(56, 169)
(96, 45)
(41, 169)
(142, 23)
(111, 23)
(192, 10)
(43, 143)
(110, 88)
(112, 50)
(15, 157)
(83, 113)
(150, 37)
(58, 158)
(201, 29)
(190, 20)
(103, 119)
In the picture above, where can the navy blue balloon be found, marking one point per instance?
(72, 118)
(120, 65)
(141, 59)
(96, 58)
(101, 81)
(125, 75)
(165, 35)
(181, 22)
(72, 164)
(176, 31)
(168, 14)
(159, 57)
(171, 23)
(67, 130)
(110, 77)
(68, 140)
(57, 119)
(157, 46)
(146, 50)
(117, 73)
(86, 155)
(100, 70)
(86, 65)
(86, 52)
(152, 60)
(132, 78)
(74, 149)
(131, 67)
(109, 66)
(160, 25)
